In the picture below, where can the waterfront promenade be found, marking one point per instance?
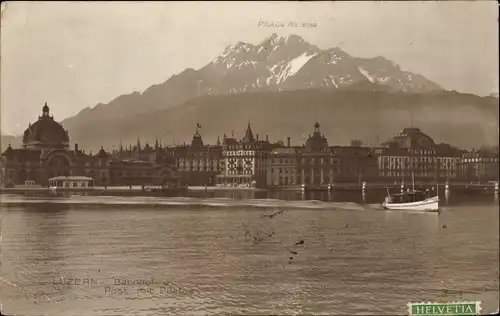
(136, 189)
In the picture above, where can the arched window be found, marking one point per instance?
(59, 161)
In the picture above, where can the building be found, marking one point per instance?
(318, 164)
(138, 165)
(414, 154)
(46, 153)
(245, 160)
(198, 164)
(281, 168)
(354, 164)
(479, 165)
(321, 164)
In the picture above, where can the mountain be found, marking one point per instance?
(370, 116)
(283, 85)
(290, 63)
(6, 139)
(276, 64)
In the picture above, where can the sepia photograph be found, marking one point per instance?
(249, 158)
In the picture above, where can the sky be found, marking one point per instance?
(74, 55)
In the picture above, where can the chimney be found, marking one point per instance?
(76, 147)
(267, 138)
(257, 137)
(288, 141)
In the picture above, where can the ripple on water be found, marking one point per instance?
(353, 260)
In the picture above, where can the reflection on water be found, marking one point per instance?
(355, 257)
(370, 196)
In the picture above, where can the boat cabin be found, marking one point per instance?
(71, 182)
(409, 197)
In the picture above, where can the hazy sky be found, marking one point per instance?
(75, 55)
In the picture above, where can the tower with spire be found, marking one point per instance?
(248, 138)
(138, 147)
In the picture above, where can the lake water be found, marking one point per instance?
(204, 254)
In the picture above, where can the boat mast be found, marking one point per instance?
(411, 154)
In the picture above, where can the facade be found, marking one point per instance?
(198, 164)
(321, 164)
(244, 161)
(46, 154)
(354, 164)
(479, 166)
(282, 167)
(318, 164)
(414, 154)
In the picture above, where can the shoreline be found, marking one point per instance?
(336, 187)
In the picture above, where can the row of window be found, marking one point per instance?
(424, 167)
(416, 174)
(243, 172)
(206, 161)
(468, 160)
(199, 168)
(282, 170)
(422, 159)
(283, 161)
(426, 152)
(336, 171)
(239, 153)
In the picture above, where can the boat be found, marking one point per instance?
(412, 200)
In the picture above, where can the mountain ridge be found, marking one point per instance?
(281, 81)
(272, 65)
(460, 119)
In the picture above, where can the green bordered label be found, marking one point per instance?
(445, 309)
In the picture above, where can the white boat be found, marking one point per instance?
(412, 201)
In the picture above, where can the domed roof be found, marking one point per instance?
(197, 141)
(46, 132)
(316, 142)
(411, 138)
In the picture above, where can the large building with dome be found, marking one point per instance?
(318, 164)
(412, 153)
(46, 153)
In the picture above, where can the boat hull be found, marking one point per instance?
(427, 205)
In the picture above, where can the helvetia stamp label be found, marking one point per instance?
(445, 309)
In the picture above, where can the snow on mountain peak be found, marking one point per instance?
(366, 74)
(298, 62)
(289, 62)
